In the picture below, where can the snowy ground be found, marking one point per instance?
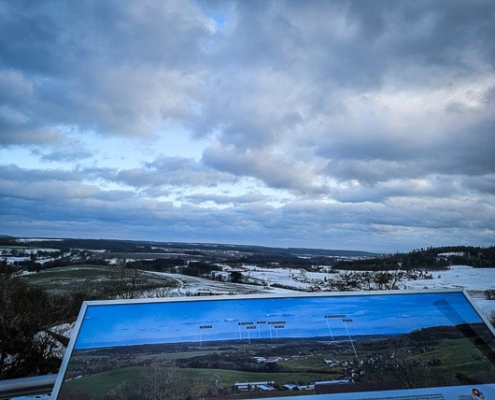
(474, 280)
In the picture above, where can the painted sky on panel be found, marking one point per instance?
(172, 322)
(364, 125)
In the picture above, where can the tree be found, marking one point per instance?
(490, 294)
(161, 381)
(387, 280)
(26, 346)
(31, 332)
(236, 276)
(125, 283)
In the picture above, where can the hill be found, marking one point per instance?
(433, 258)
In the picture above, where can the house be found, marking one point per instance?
(248, 386)
(290, 386)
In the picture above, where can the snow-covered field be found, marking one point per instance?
(458, 276)
(474, 280)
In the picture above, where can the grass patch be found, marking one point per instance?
(98, 385)
(70, 279)
(461, 356)
(92, 278)
(313, 363)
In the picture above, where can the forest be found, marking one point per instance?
(433, 258)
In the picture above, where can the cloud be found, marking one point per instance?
(14, 173)
(69, 153)
(173, 171)
(271, 169)
(228, 200)
(320, 124)
(85, 66)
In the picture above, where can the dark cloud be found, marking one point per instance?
(70, 154)
(482, 184)
(175, 171)
(336, 46)
(16, 174)
(276, 171)
(113, 68)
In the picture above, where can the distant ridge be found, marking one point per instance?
(139, 245)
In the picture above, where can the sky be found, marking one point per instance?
(202, 321)
(363, 125)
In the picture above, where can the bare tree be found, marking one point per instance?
(163, 381)
(125, 283)
(25, 347)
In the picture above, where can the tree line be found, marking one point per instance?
(432, 258)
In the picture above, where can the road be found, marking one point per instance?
(188, 285)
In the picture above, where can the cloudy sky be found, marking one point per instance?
(366, 125)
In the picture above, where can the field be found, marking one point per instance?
(98, 279)
(101, 384)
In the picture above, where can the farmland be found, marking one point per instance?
(119, 269)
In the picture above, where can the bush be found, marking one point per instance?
(490, 294)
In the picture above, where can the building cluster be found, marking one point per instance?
(268, 386)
